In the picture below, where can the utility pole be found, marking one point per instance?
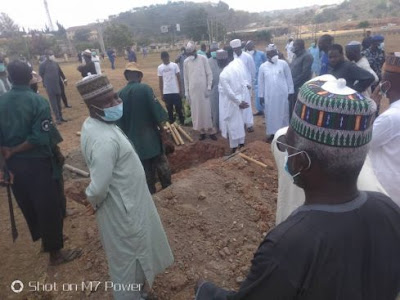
(46, 7)
(100, 35)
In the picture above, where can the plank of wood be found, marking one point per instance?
(184, 133)
(173, 134)
(177, 134)
(76, 170)
(248, 158)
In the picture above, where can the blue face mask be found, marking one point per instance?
(214, 54)
(111, 114)
(286, 166)
(2, 67)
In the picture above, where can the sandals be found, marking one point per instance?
(65, 256)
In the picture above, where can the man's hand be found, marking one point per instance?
(243, 105)
(262, 101)
(376, 95)
(7, 152)
(90, 210)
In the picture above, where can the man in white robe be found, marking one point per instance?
(131, 232)
(250, 70)
(275, 84)
(232, 90)
(198, 83)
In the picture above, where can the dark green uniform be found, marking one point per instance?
(25, 116)
(142, 115)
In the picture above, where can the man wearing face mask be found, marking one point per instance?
(342, 243)
(198, 84)
(49, 70)
(259, 58)
(232, 90)
(250, 69)
(5, 84)
(290, 196)
(142, 122)
(301, 70)
(376, 55)
(275, 85)
(214, 98)
(385, 144)
(130, 228)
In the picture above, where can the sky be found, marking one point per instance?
(30, 14)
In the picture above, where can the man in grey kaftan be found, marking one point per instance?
(131, 232)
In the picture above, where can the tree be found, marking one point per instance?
(82, 35)
(118, 36)
(264, 35)
(8, 28)
(363, 24)
(61, 32)
(195, 24)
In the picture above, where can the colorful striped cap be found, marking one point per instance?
(327, 112)
(93, 86)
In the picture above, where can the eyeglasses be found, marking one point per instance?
(281, 144)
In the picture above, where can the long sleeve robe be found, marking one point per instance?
(198, 81)
(232, 89)
(275, 83)
(250, 70)
(216, 71)
(130, 228)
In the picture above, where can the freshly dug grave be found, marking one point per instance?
(215, 216)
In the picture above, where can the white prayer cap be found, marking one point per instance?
(87, 52)
(353, 44)
(190, 47)
(271, 47)
(236, 43)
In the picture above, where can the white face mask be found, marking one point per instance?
(251, 52)
(52, 57)
(275, 59)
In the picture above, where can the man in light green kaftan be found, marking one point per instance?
(131, 232)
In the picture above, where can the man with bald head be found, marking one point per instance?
(130, 228)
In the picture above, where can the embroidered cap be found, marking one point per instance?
(222, 54)
(93, 86)
(392, 63)
(236, 43)
(327, 112)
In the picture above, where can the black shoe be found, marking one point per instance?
(259, 113)
(202, 137)
(68, 106)
(241, 146)
(63, 120)
(213, 137)
(250, 129)
(58, 122)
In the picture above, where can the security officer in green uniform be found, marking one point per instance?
(27, 140)
(141, 122)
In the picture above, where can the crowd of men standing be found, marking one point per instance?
(124, 143)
